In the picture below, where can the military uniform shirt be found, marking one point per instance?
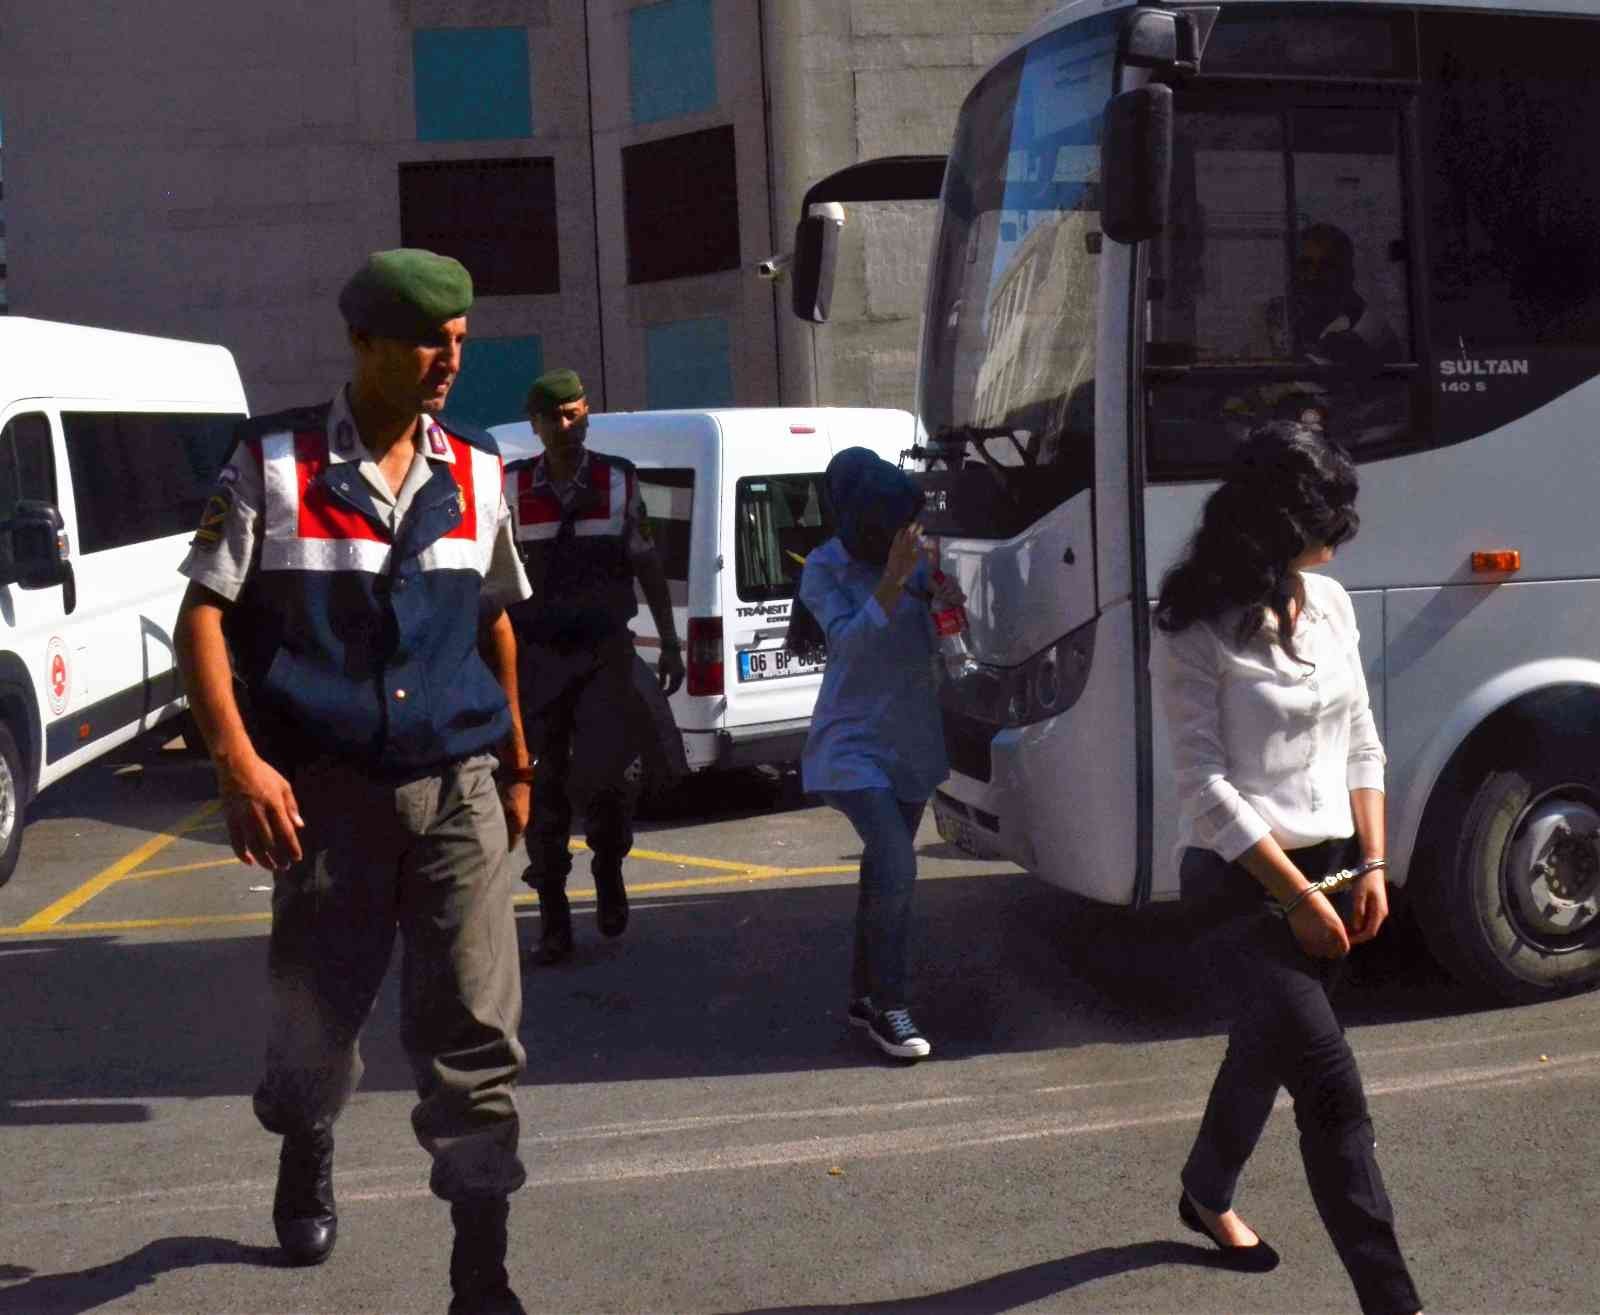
(223, 556)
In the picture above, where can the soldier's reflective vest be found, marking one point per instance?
(578, 562)
(356, 643)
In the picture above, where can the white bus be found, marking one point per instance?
(1162, 223)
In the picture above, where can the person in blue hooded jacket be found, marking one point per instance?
(876, 749)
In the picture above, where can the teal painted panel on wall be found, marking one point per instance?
(688, 364)
(494, 379)
(471, 83)
(672, 60)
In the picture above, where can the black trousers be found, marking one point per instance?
(1284, 1034)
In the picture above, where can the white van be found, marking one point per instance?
(735, 503)
(108, 446)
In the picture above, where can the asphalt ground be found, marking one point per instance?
(704, 1133)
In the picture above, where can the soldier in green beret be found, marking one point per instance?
(351, 571)
(582, 529)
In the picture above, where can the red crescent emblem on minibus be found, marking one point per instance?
(58, 676)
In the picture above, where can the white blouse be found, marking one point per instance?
(1262, 744)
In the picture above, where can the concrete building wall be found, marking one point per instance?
(855, 79)
(216, 171)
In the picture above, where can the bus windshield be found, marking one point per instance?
(1009, 352)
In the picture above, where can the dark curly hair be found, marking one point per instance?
(1288, 490)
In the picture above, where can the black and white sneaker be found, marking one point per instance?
(897, 1035)
(860, 1013)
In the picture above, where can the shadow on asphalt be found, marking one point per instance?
(1020, 1287)
(707, 984)
(85, 1289)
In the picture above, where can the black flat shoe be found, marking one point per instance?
(1258, 1259)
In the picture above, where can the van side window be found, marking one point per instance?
(668, 495)
(27, 464)
(778, 520)
(142, 475)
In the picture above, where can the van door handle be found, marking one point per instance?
(771, 632)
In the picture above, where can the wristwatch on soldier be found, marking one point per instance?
(515, 775)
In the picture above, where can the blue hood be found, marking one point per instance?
(872, 501)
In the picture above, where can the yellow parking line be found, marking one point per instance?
(581, 897)
(48, 917)
(185, 867)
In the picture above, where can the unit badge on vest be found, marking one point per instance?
(436, 442)
(213, 520)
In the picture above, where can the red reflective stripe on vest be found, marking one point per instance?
(462, 471)
(539, 505)
(323, 516)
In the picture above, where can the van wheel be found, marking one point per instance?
(12, 803)
(1514, 905)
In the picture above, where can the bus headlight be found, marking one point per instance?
(1044, 686)
(1050, 682)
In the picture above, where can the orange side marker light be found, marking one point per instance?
(1497, 562)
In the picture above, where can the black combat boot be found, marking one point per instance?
(303, 1211)
(555, 922)
(611, 896)
(478, 1281)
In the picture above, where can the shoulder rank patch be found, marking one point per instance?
(214, 518)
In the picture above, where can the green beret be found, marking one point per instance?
(406, 294)
(553, 388)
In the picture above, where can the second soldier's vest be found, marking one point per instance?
(579, 567)
(358, 643)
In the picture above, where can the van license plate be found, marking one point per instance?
(771, 663)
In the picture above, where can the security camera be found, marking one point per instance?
(774, 267)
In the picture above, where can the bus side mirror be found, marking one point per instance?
(1159, 40)
(816, 252)
(33, 548)
(1136, 164)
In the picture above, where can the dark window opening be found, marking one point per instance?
(681, 202)
(497, 217)
(668, 495)
(139, 476)
(1282, 287)
(1512, 193)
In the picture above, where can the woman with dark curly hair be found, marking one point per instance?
(1280, 776)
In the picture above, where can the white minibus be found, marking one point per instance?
(735, 500)
(108, 445)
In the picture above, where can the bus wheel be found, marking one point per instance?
(1518, 910)
(11, 804)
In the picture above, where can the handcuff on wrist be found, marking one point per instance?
(1328, 885)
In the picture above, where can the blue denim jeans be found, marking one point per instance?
(888, 830)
